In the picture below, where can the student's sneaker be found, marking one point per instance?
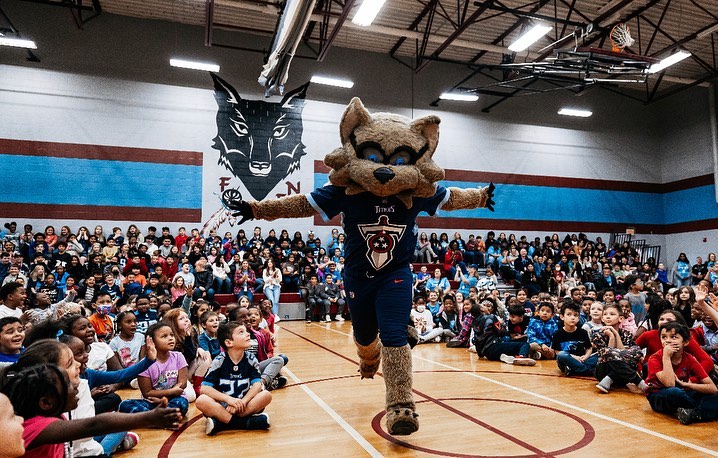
(472, 349)
(340, 318)
(328, 319)
(257, 421)
(687, 416)
(506, 359)
(637, 389)
(276, 383)
(134, 384)
(537, 355)
(604, 386)
(522, 361)
(210, 426)
(437, 339)
(129, 442)
(277, 319)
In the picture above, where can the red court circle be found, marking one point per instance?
(588, 436)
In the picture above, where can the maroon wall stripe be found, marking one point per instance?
(103, 152)
(453, 224)
(564, 182)
(99, 212)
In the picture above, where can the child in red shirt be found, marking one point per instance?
(677, 384)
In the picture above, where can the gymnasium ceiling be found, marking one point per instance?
(469, 33)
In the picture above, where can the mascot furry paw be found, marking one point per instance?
(382, 177)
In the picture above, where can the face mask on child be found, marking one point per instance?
(420, 308)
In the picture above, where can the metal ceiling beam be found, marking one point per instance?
(655, 30)
(700, 61)
(462, 27)
(348, 4)
(697, 82)
(528, 14)
(429, 7)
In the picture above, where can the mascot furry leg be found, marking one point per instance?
(382, 177)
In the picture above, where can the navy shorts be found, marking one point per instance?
(380, 304)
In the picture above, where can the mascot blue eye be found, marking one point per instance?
(372, 154)
(400, 158)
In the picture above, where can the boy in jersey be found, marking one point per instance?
(232, 391)
(383, 176)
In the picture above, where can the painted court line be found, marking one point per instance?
(569, 406)
(332, 413)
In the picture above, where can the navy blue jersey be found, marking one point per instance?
(381, 231)
(230, 378)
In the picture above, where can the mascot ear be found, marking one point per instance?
(428, 127)
(224, 93)
(354, 116)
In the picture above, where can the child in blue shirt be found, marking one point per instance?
(540, 332)
(146, 316)
(12, 333)
(208, 339)
(232, 391)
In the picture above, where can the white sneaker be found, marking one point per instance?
(277, 319)
(339, 318)
(437, 339)
(134, 384)
(328, 319)
(507, 359)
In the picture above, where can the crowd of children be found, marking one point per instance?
(67, 346)
(85, 314)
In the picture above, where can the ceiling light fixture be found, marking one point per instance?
(668, 61)
(17, 42)
(459, 97)
(332, 81)
(192, 65)
(367, 12)
(530, 37)
(575, 112)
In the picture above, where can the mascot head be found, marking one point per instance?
(385, 154)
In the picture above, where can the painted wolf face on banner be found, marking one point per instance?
(259, 142)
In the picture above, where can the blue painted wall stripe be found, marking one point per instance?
(53, 180)
(543, 203)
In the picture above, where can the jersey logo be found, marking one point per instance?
(381, 238)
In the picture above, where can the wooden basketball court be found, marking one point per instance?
(467, 406)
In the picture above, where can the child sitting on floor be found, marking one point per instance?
(166, 378)
(572, 344)
(540, 331)
(471, 311)
(595, 322)
(629, 322)
(618, 355)
(424, 323)
(208, 339)
(232, 393)
(677, 384)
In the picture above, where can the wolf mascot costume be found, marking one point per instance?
(382, 177)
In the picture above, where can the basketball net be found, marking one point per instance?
(621, 37)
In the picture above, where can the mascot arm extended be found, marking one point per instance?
(296, 206)
(470, 198)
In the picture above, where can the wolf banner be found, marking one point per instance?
(258, 142)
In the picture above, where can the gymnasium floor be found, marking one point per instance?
(468, 407)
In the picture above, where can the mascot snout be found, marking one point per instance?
(383, 174)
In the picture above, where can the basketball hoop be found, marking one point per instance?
(621, 37)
